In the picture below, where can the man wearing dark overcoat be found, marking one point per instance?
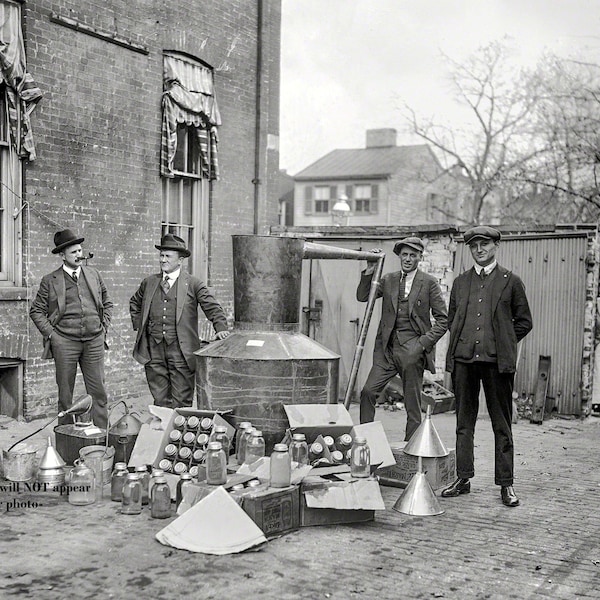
(164, 312)
(405, 342)
(488, 316)
(72, 310)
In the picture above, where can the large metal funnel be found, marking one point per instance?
(425, 441)
(418, 498)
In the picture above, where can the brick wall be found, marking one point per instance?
(97, 133)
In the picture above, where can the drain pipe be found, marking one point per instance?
(258, 121)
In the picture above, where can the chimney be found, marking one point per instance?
(381, 138)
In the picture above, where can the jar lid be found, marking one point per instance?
(160, 479)
(120, 465)
(280, 448)
(360, 440)
(253, 483)
(244, 424)
(185, 476)
(141, 469)
(132, 476)
(237, 487)
(221, 428)
(299, 437)
(257, 433)
(157, 472)
(215, 446)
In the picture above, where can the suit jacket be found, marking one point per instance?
(425, 300)
(191, 292)
(50, 302)
(511, 317)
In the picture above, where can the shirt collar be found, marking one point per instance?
(70, 271)
(487, 269)
(173, 276)
(409, 276)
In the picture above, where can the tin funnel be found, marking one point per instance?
(425, 441)
(418, 498)
(51, 468)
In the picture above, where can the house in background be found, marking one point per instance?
(382, 184)
(286, 198)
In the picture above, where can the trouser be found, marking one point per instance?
(498, 387)
(406, 360)
(89, 355)
(169, 377)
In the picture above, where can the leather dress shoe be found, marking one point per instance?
(509, 498)
(460, 486)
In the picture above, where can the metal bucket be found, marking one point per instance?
(108, 454)
(20, 463)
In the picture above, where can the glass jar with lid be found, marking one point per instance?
(216, 464)
(299, 449)
(131, 503)
(117, 480)
(255, 447)
(360, 458)
(160, 503)
(281, 467)
(81, 484)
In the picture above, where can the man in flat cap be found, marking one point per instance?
(164, 312)
(405, 342)
(72, 310)
(488, 316)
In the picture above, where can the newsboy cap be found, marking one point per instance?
(412, 242)
(65, 238)
(482, 232)
(170, 241)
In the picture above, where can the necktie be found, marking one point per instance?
(74, 276)
(482, 274)
(165, 284)
(402, 290)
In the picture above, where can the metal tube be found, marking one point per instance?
(312, 250)
(380, 257)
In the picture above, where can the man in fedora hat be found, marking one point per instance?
(164, 312)
(488, 316)
(405, 342)
(72, 310)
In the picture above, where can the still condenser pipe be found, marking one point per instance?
(266, 362)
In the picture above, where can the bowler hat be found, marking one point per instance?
(412, 242)
(65, 238)
(173, 242)
(482, 232)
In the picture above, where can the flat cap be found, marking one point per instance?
(482, 232)
(412, 242)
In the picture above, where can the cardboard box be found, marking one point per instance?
(153, 437)
(334, 502)
(439, 471)
(334, 420)
(274, 510)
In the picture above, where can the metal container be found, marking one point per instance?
(266, 362)
(70, 439)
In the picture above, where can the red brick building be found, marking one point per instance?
(153, 117)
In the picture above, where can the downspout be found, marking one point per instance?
(258, 122)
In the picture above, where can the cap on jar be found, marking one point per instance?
(215, 446)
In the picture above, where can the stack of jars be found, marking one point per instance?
(327, 450)
(187, 444)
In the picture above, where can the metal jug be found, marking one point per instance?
(123, 434)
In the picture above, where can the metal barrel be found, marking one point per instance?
(267, 273)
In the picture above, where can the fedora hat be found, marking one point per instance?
(412, 242)
(63, 239)
(173, 242)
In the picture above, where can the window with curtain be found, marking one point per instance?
(18, 97)
(188, 152)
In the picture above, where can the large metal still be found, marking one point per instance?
(266, 362)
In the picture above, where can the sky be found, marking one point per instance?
(349, 65)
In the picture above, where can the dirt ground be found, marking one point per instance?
(547, 547)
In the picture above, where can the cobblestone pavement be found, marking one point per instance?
(547, 547)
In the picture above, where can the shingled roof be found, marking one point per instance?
(363, 162)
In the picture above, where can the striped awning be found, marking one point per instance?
(189, 98)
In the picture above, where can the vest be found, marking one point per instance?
(162, 318)
(404, 327)
(476, 341)
(80, 321)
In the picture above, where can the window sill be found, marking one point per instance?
(14, 293)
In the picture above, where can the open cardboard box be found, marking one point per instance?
(338, 500)
(154, 436)
(334, 420)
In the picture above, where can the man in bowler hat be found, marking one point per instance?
(488, 316)
(72, 310)
(405, 342)
(164, 312)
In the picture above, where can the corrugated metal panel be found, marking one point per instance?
(554, 272)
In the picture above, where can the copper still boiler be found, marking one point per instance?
(266, 362)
